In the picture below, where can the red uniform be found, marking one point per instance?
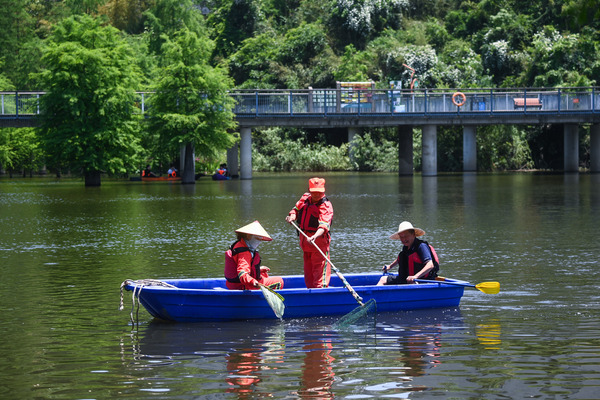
(310, 217)
(242, 269)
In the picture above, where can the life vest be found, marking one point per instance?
(309, 215)
(415, 264)
(231, 273)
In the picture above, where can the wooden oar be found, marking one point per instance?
(485, 287)
(333, 267)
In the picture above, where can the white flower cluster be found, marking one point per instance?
(358, 14)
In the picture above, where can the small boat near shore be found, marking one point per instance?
(208, 299)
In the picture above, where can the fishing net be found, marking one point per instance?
(361, 315)
(275, 300)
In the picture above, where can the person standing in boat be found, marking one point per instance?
(242, 261)
(314, 214)
(417, 260)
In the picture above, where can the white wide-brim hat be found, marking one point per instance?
(256, 229)
(404, 226)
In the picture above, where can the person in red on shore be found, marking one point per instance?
(242, 261)
(314, 214)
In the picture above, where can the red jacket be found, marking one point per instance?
(242, 268)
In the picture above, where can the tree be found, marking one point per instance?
(169, 16)
(89, 121)
(191, 106)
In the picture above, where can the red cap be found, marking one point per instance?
(316, 185)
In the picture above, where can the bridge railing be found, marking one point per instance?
(331, 102)
(252, 103)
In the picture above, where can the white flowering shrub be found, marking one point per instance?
(365, 16)
(422, 59)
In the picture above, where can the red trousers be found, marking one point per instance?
(317, 270)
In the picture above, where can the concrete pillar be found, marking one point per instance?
(405, 150)
(246, 153)
(232, 161)
(571, 148)
(595, 148)
(352, 132)
(469, 148)
(429, 147)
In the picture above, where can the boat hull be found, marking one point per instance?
(198, 300)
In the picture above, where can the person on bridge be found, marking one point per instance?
(417, 260)
(314, 213)
(242, 261)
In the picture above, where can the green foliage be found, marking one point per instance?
(356, 21)
(20, 150)
(369, 153)
(90, 79)
(503, 147)
(273, 150)
(126, 15)
(233, 22)
(354, 66)
(562, 60)
(169, 16)
(191, 103)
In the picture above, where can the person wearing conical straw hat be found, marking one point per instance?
(417, 260)
(242, 261)
(314, 214)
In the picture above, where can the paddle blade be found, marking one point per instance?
(275, 301)
(489, 287)
(357, 316)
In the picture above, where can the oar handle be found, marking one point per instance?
(446, 282)
(337, 271)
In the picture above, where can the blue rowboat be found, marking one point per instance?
(198, 300)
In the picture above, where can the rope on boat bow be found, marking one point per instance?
(138, 285)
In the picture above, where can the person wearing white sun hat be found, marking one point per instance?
(417, 260)
(242, 261)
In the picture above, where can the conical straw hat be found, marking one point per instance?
(255, 229)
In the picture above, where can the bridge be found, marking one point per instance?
(404, 109)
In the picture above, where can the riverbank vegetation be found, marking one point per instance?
(280, 44)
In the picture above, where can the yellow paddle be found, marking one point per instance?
(485, 287)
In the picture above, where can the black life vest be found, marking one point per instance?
(414, 264)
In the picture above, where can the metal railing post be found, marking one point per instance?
(256, 102)
(17, 104)
(559, 100)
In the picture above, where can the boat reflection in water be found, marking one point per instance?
(306, 358)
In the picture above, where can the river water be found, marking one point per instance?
(65, 249)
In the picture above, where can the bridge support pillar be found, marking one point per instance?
(232, 161)
(429, 146)
(352, 132)
(469, 148)
(571, 147)
(595, 148)
(405, 150)
(246, 153)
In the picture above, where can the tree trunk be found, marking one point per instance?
(92, 178)
(189, 170)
